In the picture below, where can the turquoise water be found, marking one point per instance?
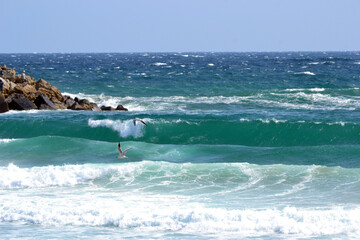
(238, 145)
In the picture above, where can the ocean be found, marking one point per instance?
(237, 146)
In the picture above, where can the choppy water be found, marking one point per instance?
(238, 145)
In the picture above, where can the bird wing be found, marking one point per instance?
(119, 148)
(142, 122)
(124, 152)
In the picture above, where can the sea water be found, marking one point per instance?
(237, 145)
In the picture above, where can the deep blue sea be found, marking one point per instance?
(237, 146)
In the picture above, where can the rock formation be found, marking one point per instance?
(31, 94)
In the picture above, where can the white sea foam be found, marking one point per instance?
(306, 73)
(358, 62)
(305, 89)
(7, 140)
(134, 209)
(160, 64)
(124, 128)
(167, 213)
(14, 177)
(32, 111)
(315, 100)
(211, 64)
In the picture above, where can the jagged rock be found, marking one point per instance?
(121, 108)
(29, 80)
(19, 102)
(85, 104)
(3, 104)
(69, 102)
(84, 101)
(45, 107)
(8, 73)
(27, 90)
(58, 104)
(8, 86)
(77, 106)
(43, 102)
(49, 91)
(94, 107)
(66, 97)
(107, 108)
(20, 95)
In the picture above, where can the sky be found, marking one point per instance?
(76, 26)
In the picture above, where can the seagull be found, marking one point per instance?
(122, 153)
(140, 120)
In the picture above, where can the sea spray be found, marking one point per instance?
(124, 128)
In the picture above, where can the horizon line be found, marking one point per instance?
(154, 52)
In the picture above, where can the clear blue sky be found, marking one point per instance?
(179, 26)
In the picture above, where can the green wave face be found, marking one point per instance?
(51, 150)
(202, 130)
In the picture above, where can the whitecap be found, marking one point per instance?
(306, 73)
(124, 128)
(12, 177)
(160, 64)
(7, 140)
(178, 214)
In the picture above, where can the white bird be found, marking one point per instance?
(122, 153)
(140, 120)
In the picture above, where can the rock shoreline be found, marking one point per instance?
(26, 94)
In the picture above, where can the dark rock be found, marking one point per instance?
(77, 106)
(45, 107)
(19, 102)
(107, 108)
(42, 100)
(24, 95)
(3, 104)
(85, 104)
(121, 108)
(66, 97)
(84, 101)
(94, 107)
(58, 104)
(69, 102)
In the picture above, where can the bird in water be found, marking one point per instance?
(139, 120)
(122, 153)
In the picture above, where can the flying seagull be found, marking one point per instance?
(140, 120)
(122, 153)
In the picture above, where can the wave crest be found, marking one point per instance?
(124, 128)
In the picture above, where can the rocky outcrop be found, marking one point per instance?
(4, 107)
(121, 108)
(20, 94)
(44, 103)
(8, 73)
(20, 102)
